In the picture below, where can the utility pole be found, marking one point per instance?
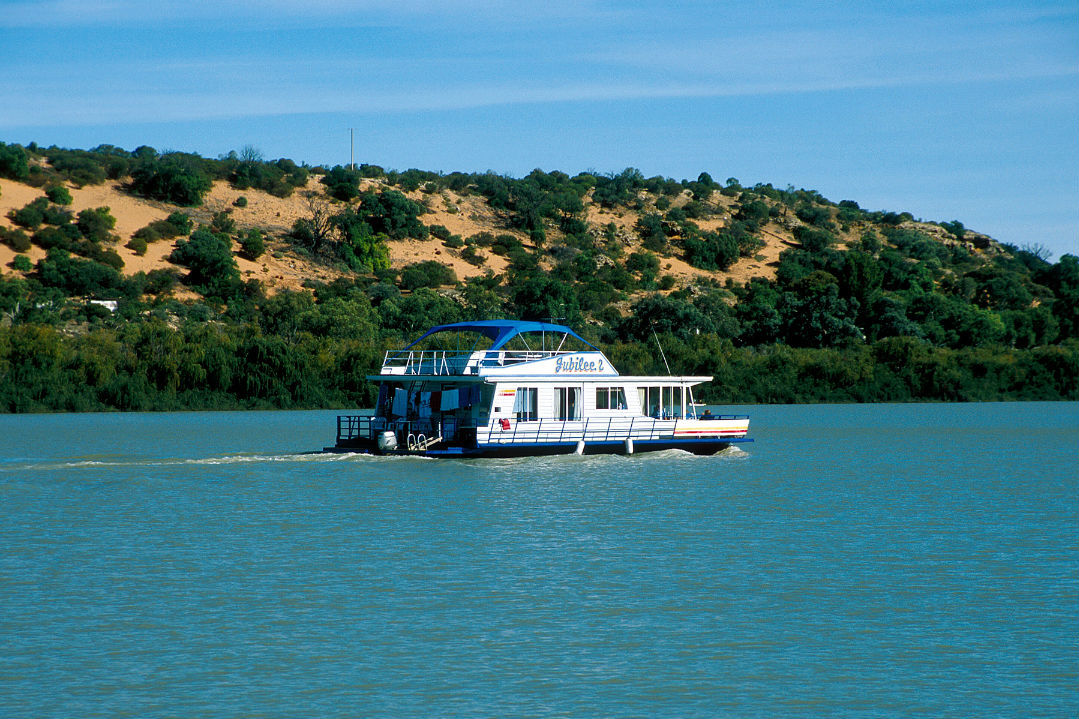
(351, 151)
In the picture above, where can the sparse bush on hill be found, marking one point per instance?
(342, 183)
(252, 244)
(30, 215)
(645, 265)
(137, 245)
(96, 224)
(16, 239)
(211, 267)
(58, 194)
(174, 225)
(712, 250)
(815, 215)
(176, 178)
(181, 221)
(650, 229)
(428, 273)
(222, 222)
(813, 239)
(82, 167)
(357, 245)
(393, 215)
(249, 170)
(14, 164)
(77, 276)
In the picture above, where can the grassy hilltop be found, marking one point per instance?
(146, 280)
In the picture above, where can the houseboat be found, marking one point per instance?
(509, 388)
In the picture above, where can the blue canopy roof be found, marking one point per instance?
(501, 331)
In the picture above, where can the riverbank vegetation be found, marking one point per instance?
(781, 294)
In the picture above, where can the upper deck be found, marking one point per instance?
(499, 347)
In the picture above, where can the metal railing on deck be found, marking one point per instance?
(544, 431)
(367, 427)
(445, 362)
(596, 429)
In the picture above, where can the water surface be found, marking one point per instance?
(884, 561)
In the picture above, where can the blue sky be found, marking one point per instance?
(948, 110)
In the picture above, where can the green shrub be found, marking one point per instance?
(181, 221)
(31, 215)
(16, 239)
(342, 183)
(84, 167)
(76, 276)
(55, 215)
(208, 257)
(158, 281)
(223, 222)
(96, 224)
(49, 237)
(645, 264)
(138, 245)
(22, 263)
(816, 216)
(252, 244)
(440, 232)
(469, 255)
(650, 229)
(58, 194)
(454, 242)
(173, 178)
(240, 201)
(712, 250)
(505, 244)
(428, 273)
(148, 234)
(393, 214)
(14, 164)
(813, 239)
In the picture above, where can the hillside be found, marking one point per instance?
(783, 294)
(463, 215)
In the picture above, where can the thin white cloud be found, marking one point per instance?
(336, 13)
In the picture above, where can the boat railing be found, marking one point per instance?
(544, 431)
(594, 429)
(446, 362)
(367, 427)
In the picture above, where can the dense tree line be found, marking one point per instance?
(865, 306)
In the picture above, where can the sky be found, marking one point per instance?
(948, 110)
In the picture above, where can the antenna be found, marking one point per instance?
(661, 354)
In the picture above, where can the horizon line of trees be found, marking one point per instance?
(968, 320)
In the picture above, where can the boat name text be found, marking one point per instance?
(577, 364)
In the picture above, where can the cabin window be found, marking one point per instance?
(567, 403)
(650, 401)
(525, 403)
(662, 402)
(610, 398)
(672, 402)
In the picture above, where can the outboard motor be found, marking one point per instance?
(387, 441)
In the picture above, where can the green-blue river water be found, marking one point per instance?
(855, 561)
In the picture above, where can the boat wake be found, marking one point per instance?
(229, 459)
